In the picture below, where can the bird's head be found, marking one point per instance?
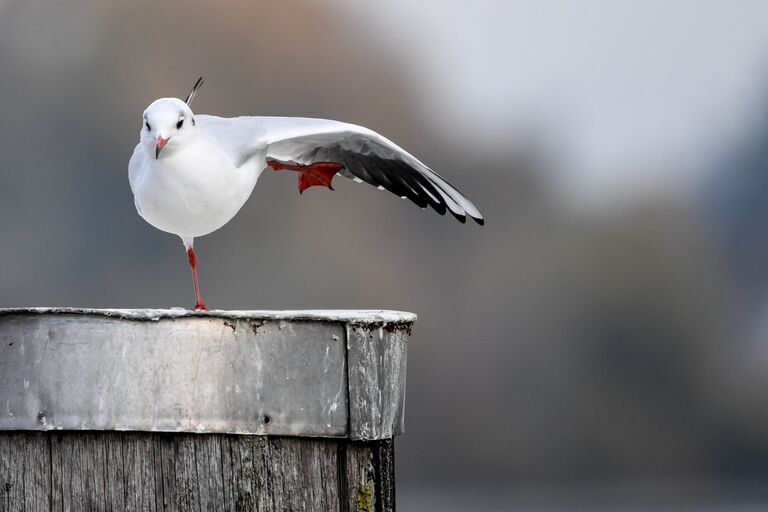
(169, 123)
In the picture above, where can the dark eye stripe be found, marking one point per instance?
(146, 123)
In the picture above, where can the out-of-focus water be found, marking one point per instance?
(628, 496)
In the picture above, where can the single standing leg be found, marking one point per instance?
(199, 304)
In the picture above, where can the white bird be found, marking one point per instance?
(190, 174)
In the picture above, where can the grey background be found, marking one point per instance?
(600, 343)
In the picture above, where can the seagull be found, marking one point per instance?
(190, 174)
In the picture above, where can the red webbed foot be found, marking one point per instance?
(316, 174)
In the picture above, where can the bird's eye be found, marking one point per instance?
(146, 123)
(180, 124)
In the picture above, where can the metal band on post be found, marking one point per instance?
(177, 408)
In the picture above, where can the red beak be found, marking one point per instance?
(161, 142)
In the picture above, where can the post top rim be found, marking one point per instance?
(354, 316)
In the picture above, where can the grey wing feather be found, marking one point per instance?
(365, 155)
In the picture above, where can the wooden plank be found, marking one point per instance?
(114, 475)
(384, 466)
(163, 467)
(239, 474)
(324, 465)
(13, 483)
(81, 472)
(263, 480)
(57, 465)
(5, 470)
(358, 484)
(210, 479)
(185, 473)
(158, 472)
(25, 481)
(137, 453)
(304, 473)
(5, 474)
(37, 481)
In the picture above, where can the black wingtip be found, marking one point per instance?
(458, 217)
(480, 221)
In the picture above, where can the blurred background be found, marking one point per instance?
(601, 344)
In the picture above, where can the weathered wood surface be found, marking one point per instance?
(142, 471)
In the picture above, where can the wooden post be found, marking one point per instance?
(175, 410)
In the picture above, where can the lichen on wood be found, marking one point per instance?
(365, 498)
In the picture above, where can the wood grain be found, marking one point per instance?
(158, 472)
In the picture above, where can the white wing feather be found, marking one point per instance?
(364, 153)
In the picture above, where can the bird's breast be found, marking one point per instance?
(190, 192)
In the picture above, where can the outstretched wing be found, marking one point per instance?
(364, 154)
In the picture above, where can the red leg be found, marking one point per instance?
(199, 304)
(318, 173)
